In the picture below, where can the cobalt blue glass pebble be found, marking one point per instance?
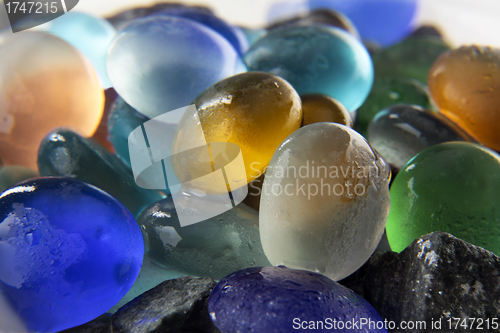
(316, 59)
(68, 252)
(384, 22)
(159, 64)
(233, 35)
(282, 300)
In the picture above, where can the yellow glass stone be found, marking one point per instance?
(254, 110)
(319, 108)
(465, 85)
(45, 83)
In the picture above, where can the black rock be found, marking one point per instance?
(178, 305)
(437, 278)
(101, 324)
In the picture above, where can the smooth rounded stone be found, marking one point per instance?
(325, 201)
(101, 135)
(36, 70)
(452, 187)
(283, 300)
(425, 31)
(65, 153)
(401, 131)
(254, 110)
(13, 174)
(382, 21)
(160, 64)
(318, 108)
(123, 119)
(215, 247)
(252, 34)
(412, 58)
(69, 252)
(91, 35)
(320, 16)
(232, 34)
(316, 59)
(388, 91)
(465, 83)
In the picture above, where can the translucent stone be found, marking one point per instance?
(65, 153)
(254, 110)
(215, 247)
(316, 59)
(69, 251)
(45, 83)
(401, 131)
(452, 187)
(160, 64)
(324, 201)
(317, 108)
(464, 83)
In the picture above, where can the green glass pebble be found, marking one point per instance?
(215, 247)
(13, 174)
(412, 58)
(387, 91)
(67, 154)
(452, 187)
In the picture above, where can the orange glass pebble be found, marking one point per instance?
(45, 83)
(465, 85)
(319, 108)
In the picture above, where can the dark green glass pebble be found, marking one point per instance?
(67, 154)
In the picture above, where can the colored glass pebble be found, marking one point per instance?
(254, 110)
(465, 83)
(91, 35)
(320, 16)
(412, 58)
(316, 59)
(69, 252)
(389, 91)
(253, 35)
(155, 63)
(324, 201)
(13, 174)
(384, 21)
(282, 300)
(215, 247)
(318, 108)
(452, 187)
(101, 135)
(123, 119)
(232, 34)
(401, 131)
(65, 153)
(36, 70)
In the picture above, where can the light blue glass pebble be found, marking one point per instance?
(316, 59)
(159, 64)
(89, 34)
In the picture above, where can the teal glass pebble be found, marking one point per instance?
(91, 35)
(215, 247)
(123, 119)
(69, 251)
(316, 59)
(13, 174)
(160, 64)
(387, 91)
(401, 131)
(65, 153)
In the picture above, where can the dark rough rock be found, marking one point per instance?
(101, 324)
(173, 306)
(437, 276)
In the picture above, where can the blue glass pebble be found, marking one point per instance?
(91, 35)
(159, 64)
(69, 252)
(232, 34)
(283, 300)
(384, 22)
(316, 59)
(253, 35)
